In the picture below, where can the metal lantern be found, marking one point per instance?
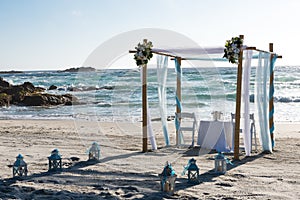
(20, 167)
(55, 160)
(216, 115)
(193, 171)
(220, 164)
(94, 151)
(167, 179)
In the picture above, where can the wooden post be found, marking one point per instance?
(178, 94)
(144, 102)
(238, 105)
(271, 100)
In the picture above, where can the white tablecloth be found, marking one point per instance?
(215, 135)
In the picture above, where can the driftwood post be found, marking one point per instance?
(144, 100)
(238, 105)
(178, 94)
(271, 100)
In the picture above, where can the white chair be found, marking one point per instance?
(252, 129)
(187, 123)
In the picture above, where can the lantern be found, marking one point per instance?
(193, 171)
(54, 160)
(20, 167)
(167, 179)
(216, 115)
(94, 151)
(220, 164)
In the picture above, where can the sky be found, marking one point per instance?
(59, 34)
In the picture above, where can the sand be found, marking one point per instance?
(125, 173)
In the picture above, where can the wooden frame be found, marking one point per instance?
(178, 93)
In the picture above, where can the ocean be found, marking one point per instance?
(118, 94)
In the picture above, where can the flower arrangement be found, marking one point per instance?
(232, 49)
(143, 53)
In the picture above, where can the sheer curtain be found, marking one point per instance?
(162, 74)
(271, 96)
(149, 123)
(261, 99)
(245, 101)
(178, 102)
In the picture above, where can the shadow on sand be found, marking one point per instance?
(108, 184)
(210, 175)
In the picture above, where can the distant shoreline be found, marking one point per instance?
(11, 72)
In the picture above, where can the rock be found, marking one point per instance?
(4, 83)
(107, 87)
(61, 89)
(79, 69)
(70, 100)
(18, 92)
(52, 87)
(39, 99)
(28, 87)
(34, 100)
(29, 95)
(39, 89)
(73, 89)
(5, 99)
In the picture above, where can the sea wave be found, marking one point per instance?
(121, 92)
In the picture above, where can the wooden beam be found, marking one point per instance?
(144, 102)
(238, 105)
(178, 94)
(174, 56)
(156, 52)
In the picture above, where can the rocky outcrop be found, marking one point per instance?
(29, 95)
(52, 87)
(5, 99)
(4, 83)
(79, 69)
(40, 99)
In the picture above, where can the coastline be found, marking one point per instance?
(125, 173)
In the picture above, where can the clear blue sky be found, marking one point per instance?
(57, 34)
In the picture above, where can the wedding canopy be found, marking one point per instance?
(264, 82)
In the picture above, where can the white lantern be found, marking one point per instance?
(220, 164)
(94, 151)
(55, 160)
(167, 179)
(20, 167)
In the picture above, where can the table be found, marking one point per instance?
(216, 135)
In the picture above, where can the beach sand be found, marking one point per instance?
(125, 173)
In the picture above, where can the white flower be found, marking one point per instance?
(143, 52)
(236, 51)
(232, 49)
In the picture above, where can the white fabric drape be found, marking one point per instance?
(245, 101)
(261, 99)
(162, 74)
(215, 135)
(149, 123)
